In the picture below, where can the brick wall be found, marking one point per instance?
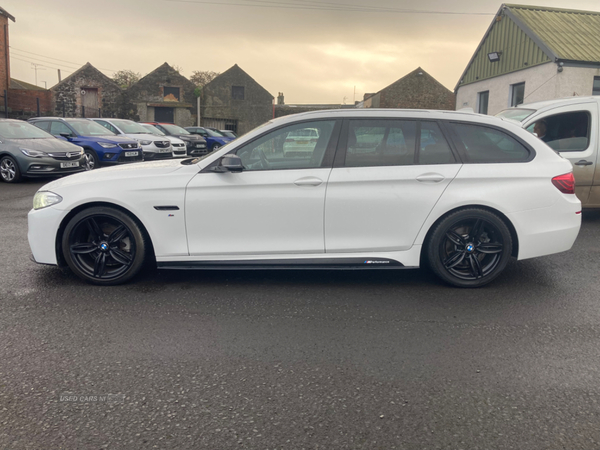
(22, 103)
(4, 59)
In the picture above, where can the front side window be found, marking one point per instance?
(58, 127)
(380, 142)
(566, 132)
(298, 146)
(481, 144)
(517, 94)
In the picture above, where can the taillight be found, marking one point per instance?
(565, 183)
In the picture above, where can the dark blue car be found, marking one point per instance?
(101, 146)
(214, 139)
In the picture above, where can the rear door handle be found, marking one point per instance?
(431, 178)
(583, 162)
(308, 181)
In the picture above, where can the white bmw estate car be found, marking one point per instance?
(380, 189)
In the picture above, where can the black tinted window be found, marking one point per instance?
(486, 145)
(566, 132)
(380, 142)
(434, 148)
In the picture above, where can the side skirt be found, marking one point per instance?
(288, 264)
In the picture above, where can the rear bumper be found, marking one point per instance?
(549, 230)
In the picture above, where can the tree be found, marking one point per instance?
(126, 78)
(202, 77)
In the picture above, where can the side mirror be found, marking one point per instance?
(229, 163)
(66, 135)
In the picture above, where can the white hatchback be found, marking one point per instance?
(380, 189)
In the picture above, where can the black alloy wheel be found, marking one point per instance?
(469, 248)
(104, 245)
(215, 147)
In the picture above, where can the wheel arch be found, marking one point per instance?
(502, 216)
(59, 235)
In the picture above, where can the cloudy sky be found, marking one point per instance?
(329, 51)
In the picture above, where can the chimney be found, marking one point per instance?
(280, 99)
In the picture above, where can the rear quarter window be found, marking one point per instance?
(481, 144)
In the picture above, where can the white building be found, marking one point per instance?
(532, 53)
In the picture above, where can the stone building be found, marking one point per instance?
(417, 90)
(530, 54)
(4, 58)
(87, 93)
(235, 101)
(164, 95)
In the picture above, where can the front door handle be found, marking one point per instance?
(431, 178)
(583, 162)
(308, 181)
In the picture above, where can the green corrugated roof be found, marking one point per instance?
(570, 34)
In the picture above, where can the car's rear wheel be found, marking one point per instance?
(9, 170)
(91, 159)
(104, 245)
(469, 248)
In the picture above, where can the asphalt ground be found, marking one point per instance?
(298, 360)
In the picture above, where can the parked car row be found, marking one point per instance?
(56, 146)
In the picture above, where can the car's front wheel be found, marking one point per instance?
(9, 170)
(91, 160)
(215, 147)
(104, 245)
(469, 248)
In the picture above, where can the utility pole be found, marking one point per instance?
(59, 77)
(37, 67)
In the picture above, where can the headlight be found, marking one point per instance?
(43, 199)
(107, 145)
(33, 153)
(145, 142)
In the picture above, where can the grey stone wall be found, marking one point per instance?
(417, 90)
(218, 103)
(67, 96)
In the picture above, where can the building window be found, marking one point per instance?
(596, 90)
(171, 94)
(482, 102)
(517, 94)
(237, 92)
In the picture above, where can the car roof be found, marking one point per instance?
(557, 102)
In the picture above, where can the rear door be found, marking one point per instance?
(573, 132)
(387, 177)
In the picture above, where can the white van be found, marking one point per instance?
(571, 127)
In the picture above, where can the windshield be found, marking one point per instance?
(174, 129)
(21, 130)
(129, 127)
(89, 128)
(152, 129)
(519, 114)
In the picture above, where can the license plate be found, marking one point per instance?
(164, 150)
(69, 164)
(200, 145)
(302, 142)
(131, 154)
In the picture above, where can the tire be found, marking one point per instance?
(9, 170)
(215, 147)
(91, 159)
(469, 248)
(104, 246)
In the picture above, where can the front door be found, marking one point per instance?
(166, 115)
(573, 132)
(274, 207)
(89, 101)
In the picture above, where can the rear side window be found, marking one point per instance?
(434, 148)
(381, 142)
(482, 144)
(566, 132)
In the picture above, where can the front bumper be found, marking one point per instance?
(43, 225)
